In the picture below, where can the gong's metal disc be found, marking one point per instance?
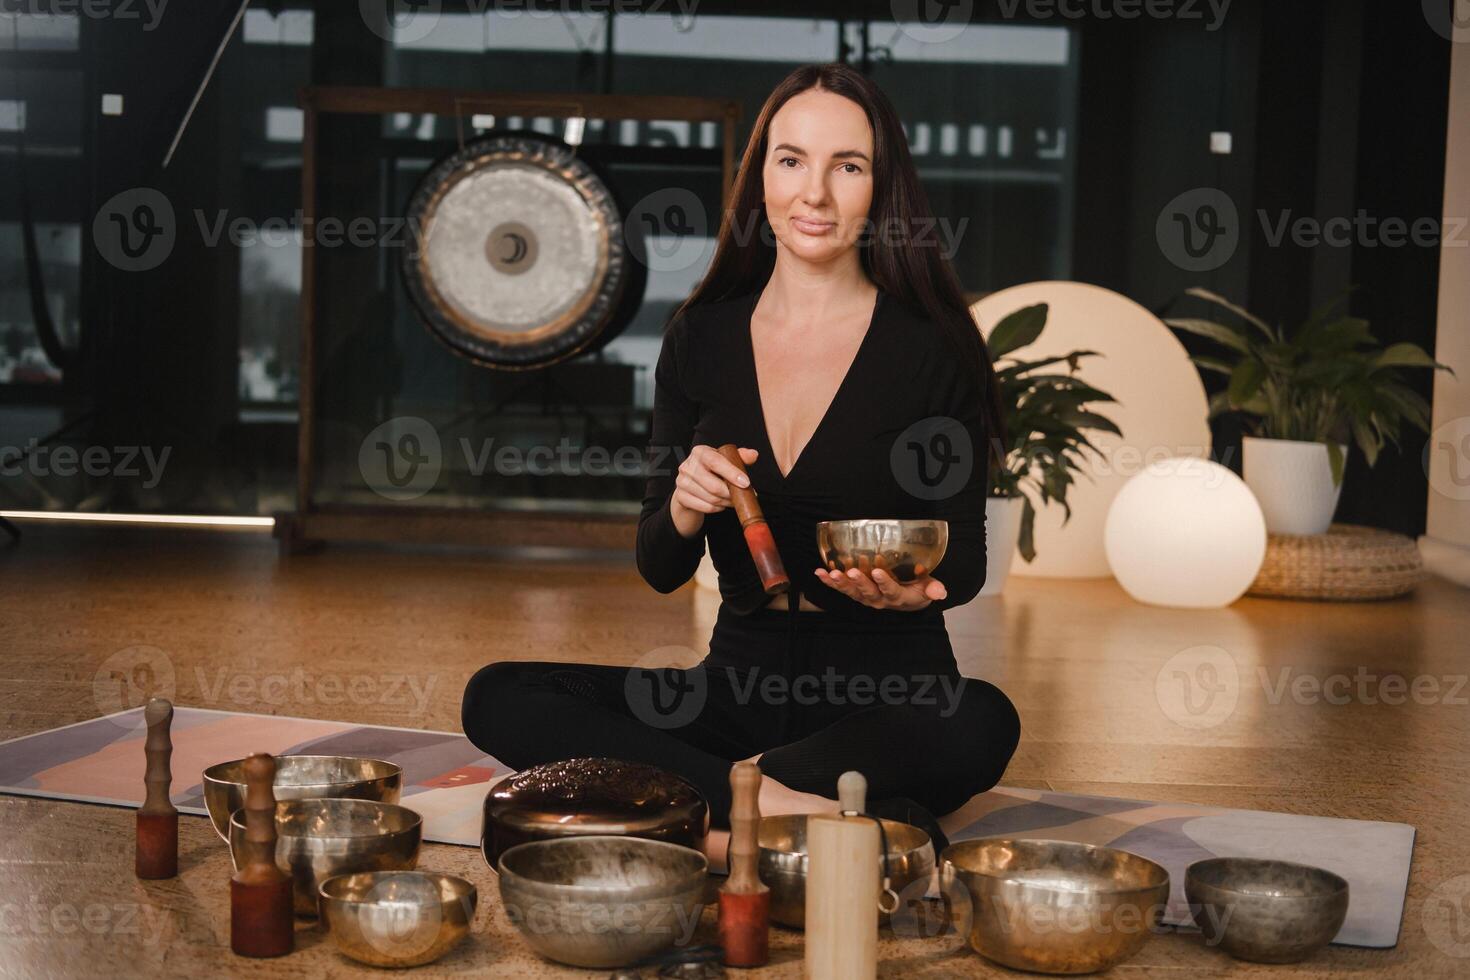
(520, 257)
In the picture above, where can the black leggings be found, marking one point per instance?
(815, 701)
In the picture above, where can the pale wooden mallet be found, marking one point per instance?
(745, 901)
(261, 919)
(842, 888)
(156, 843)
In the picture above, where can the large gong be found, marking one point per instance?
(521, 256)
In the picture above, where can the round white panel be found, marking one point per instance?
(1161, 408)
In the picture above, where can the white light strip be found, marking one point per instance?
(185, 519)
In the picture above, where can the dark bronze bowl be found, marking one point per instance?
(592, 797)
(1265, 911)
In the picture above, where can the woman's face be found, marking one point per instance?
(818, 174)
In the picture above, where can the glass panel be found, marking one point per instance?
(39, 32)
(22, 360)
(277, 57)
(40, 123)
(989, 111)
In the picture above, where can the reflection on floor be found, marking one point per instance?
(1349, 710)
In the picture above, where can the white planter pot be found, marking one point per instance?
(1292, 482)
(1002, 533)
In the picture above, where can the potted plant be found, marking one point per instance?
(1307, 394)
(1046, 416)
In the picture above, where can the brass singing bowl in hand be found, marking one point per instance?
(905, 548)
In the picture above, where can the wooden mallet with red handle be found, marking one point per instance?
(745, 901)
(758, 535)
(156, 846)
(262, 921)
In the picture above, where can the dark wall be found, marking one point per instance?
(166, 337)
(1402, 114)
(1335, 106)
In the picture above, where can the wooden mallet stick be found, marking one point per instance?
(156, 843)
(758, 535)
(262, 922)
(745, 901)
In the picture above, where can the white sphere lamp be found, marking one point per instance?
(1185, 532)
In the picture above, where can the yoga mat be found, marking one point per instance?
(445, 777)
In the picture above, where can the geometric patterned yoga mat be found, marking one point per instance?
(444, 776)
(1372, 855)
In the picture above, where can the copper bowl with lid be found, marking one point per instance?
(587, 797)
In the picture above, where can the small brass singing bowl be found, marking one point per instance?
(1265, 911)
(302, 777)
(783, 865)
(602, 901)
(397, 918)
(320, 839)
(1054, 906)
(903, 548)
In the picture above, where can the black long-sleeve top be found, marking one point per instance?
(907, 369)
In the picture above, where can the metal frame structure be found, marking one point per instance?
(311, 524)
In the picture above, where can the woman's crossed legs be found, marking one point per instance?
(940, 740)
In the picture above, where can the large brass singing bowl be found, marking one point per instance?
(602, 901)
(1265, 911)
(1054, 906)
(302, 777)
(319, 839)
(397, 918)
(904, 549)
(783, 865)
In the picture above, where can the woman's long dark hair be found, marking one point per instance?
(907, 266)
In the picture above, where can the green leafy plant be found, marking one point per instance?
(1045, 417)
(1329, 379)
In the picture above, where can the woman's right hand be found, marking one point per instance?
(701, 487)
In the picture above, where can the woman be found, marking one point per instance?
(831, 342)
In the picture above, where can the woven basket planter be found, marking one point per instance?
(1348, 563)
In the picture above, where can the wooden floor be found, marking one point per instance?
(1079, 658)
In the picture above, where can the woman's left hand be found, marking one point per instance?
(882, 591)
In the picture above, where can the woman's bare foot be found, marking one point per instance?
(714, 848)
(775, 798)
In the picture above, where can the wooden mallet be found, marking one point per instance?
(156, 844)
(758, 535)
(842, 888)
(745, 901)
(262, 922)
